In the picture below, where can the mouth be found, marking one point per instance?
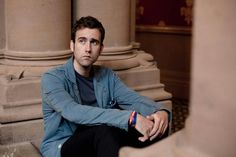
(86, 57)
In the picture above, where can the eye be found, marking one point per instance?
(82, 41)
(95, 42)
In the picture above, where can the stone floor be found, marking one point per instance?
(180, 109)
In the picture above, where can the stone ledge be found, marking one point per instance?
(11, 133)
(19, 150)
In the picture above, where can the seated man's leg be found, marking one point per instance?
(79, 144)
(108, 141)
(93, 141)
(102, 141)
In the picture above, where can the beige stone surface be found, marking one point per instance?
(2, 28)
(19, 96)
(30, 130)
(35, 32)
(19, 150)
(37, 22)
(115, 16)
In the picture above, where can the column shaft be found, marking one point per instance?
(2, 28)
(34, 36)
(36, 31)
(115, 16)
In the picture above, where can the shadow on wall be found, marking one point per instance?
(172, 53)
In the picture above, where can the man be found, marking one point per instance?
(87, 109)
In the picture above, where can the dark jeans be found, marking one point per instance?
(101, 141)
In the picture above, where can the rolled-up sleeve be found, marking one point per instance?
(131, 100)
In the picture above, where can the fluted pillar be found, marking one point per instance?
(34, 36)
(121, 53)
(2, 29)
(115, 16)
(37, 32)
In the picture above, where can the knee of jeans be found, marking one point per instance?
(104, 130)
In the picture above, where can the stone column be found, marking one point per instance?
(2, 29)
(37, 32)
(210, 128)
(121, 53)
(36, 37)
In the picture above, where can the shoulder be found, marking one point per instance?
(52, 79)
(56, 72)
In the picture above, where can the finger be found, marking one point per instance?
(155, 127)
(158, 131)
(164, 129)
(150, 118)
(143, 138)
(155, 135)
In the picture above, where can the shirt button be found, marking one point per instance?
(59, 146)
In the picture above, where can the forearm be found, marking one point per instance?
(88, 115)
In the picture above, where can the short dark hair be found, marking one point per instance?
(88, 22)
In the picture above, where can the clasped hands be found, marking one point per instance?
(152, 126)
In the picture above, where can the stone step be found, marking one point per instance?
(25, 149)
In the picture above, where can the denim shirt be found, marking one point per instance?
(62, 108)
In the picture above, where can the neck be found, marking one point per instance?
(83, 71)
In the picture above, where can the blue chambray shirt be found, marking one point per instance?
(62, 108)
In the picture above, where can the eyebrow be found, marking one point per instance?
(92, 39)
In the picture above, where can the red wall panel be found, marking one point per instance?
(164, 13)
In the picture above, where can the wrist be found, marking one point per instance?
(133, 119)
(169, 115)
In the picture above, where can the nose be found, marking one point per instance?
(88, 47)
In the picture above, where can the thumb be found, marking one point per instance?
(150, 118)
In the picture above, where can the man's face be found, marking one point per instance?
(87, 47)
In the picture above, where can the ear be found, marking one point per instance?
(101, 48)
(72, 46)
